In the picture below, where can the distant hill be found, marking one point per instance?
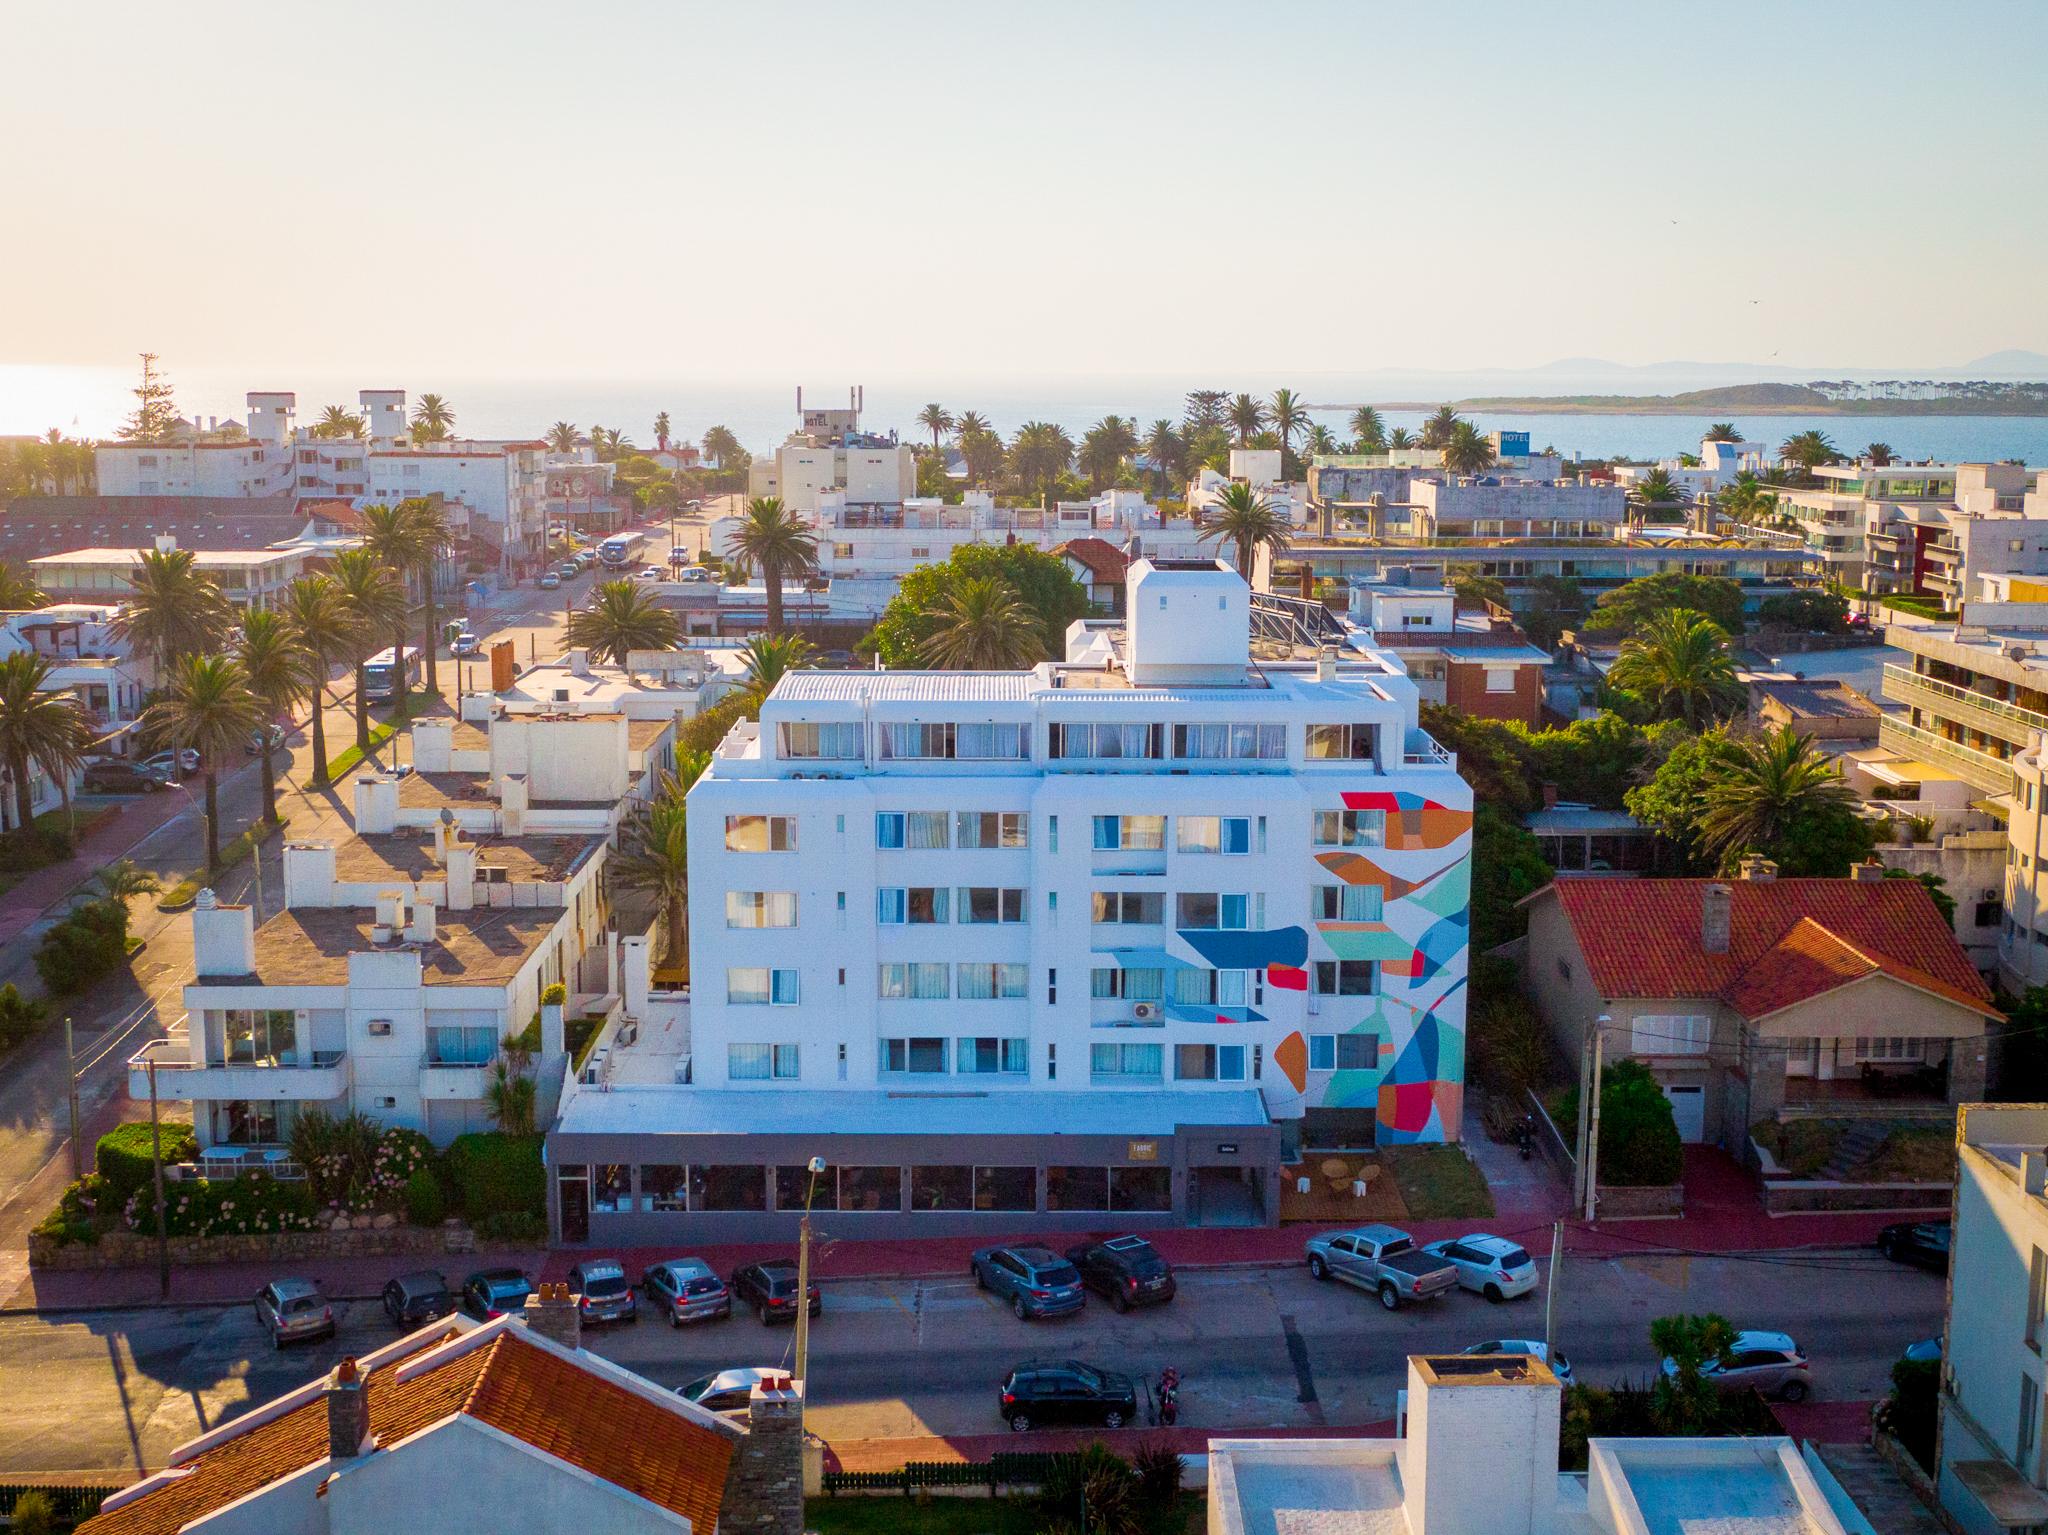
(1757, 400)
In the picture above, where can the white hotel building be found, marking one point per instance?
(1117, 933)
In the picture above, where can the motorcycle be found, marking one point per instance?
(1525, 1136)
(1169, 1395)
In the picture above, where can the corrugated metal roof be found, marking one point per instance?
(904, 687)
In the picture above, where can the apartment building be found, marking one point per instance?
(829, 454)
(248, 578)
(1474, 660)
(1720, 465)
(1116, 934)
(1990, 1470)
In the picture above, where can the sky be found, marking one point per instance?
(756, 190)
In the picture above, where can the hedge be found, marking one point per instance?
(122, 1155)
(201, 1207)
(497, 1174)
(90, 943)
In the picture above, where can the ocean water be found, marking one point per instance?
(93, 401)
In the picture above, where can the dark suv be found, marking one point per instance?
(770, 1288)
(1036, 1281)
(1048, 1392)
(411, 1299)
(1125, 1271)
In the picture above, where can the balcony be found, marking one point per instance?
(322, 1078)
(1421, 749)
(1988, 772)
(453, 1081)
(2009, 722)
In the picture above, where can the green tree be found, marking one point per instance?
(1104, 447)
(377, 604)
(983, 627)
(35, 1513)
(1678, 662)
(654, 854)
(1472, 588)
(1507, 864)
(1168, 452)
(38, 729)
(207, 706)
(173, 609)
(723, 449)
(1879, 454)
(561, 437)
(1654, 493)
(391, 534)
(124, 879)
(326, 628)
(1936, 888)
(1810, 608)
(1248, 415)
(1039, 454)
(1368, 431)
(1399, 438)
(1321, 442)
(779, 544)
(1780, 797)
(1466, 451)
(768, 658)
(620, 618)
(18, 592)
(338, 421)
(155, 418)
(1684, 1402)
(1631, 604)
(1040, 580)
(1289, 416)
(428, 539)
(1723, 431)
(1204, 409)
(1437, 430)
(433, 419)
(983, 450)
(1243, 518)
(1675, 796)
(661, 427)
(937, 420)
(1809, 450)
(1555, 604)
(279, 673)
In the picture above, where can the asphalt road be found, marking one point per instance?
(1257, 1348)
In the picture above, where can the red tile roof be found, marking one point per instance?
(1104, 560)
(516, 1386)
(1789, 940)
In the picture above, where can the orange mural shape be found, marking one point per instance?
(1291, 1056)
(1410, 831)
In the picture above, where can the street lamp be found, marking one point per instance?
(803, 1281)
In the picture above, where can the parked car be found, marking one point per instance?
(114, 776)
(1493, 1266)
(727, 1390)
(293, 1311)
(1560, 1366)
(1125, 1271)
(411, 1299)
(465, 644)
(607, 1297)
(686, 1290)
(1769, 1362)
(1046, 1392)
(693, 573)
(1923, 1244)
(679, 556)
(653, 573)
(172, 764)
(494, 1292)
(549, 581)
(264, 738)
(1382, 1259)
(1036, 1281)
(770, 1288)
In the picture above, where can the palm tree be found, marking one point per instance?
(1399, 438)
(18, 593)
(1809, 449)
(431, 539)
(1165, 447)
(983, 627)
(1656, 489)
(1723, 431)
(1879, 454)
(377, 603)
(561, 437)
(722, 448)
(1771, 785)
(1288, 417)
(968, 423)
(620, 619)
(1367, 430)
(280, 674)
(1320, 441)
(768, 658)
(775, 541)
(1679, 664)
(433, 419)
(654, 853)
(124, 879)
(209, 707)
(324, 627)
(338, 421)
(1039, 454)
(172, 609)
(937, 420)
(661, 431)
(1105, 447)
(1465, 451)
(982, 449)
(1436, 431)
(1247, 417)
(390, 534)
(616, 442)
(37, 728)
(1243, 517)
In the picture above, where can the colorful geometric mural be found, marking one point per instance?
(1415, 823)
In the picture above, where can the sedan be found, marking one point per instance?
(1036, 1281)
(549, 581)
(264, 738)
(1767, 1362)
(1560, 1366)
(496, 1292)
(728, 1390)
(1924, 1244)
(411, 1299)
(466, 644)
(1492, 1266)
(653, 573)
(686, 1290)
(606, 1296)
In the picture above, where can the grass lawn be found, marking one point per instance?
(347, 761)
(180, 895)
(1802, 1146)
(891, 1515)
(1919, 1154)
(1437, 1182)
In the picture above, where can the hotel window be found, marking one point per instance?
(842, 551)
(1500, 679)
(989, 1055)
(261, 1036)
(762, 1063)
(913, 982)
(1204, 909)
(1888, 1047)
(834, 743)
(922, 1056)
(1350, 828)
(989, 904)
(991, 743)
(461, 1044)
(1208, 1063)
(1111, 984)
(1105, 743)
(992, 828)
(1342, 1052)
(911, 829)
(1327, 743)
(917, 742)
(760, 833)
(746, 987)
(611, 1191)
(1130, 833)
(916, 905)
(1213, 834)
(1145, 908)
(664, 1186)
(988, 983)
(760, 908)
(1126, 1061)
(1670, 1034)
(1344, 978)
(1346, 903)
(1230, 742)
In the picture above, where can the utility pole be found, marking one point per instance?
(1593, 1123)
(1550, 1293)
(803, 1286)
(1585, 1114)
(71, 1088)
(156, 1158)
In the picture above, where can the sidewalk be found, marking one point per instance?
(36, 892)
(1186, 1438)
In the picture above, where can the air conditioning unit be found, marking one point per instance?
(1145, 1012)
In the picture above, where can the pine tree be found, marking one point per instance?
(156, 410)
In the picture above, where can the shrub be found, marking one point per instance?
(19, 1017)
(339, 1154)
(37, 848)
(424, 1205)
(80, 1211)
(1100, 1485)
(1914, 1406)
(34, 1513)
(497, 1174)
(401, 1156)
(122, 1156)
(202, 1207)
(554, 994)
(90, 943)
(1159, 1471)
(1639, 1145)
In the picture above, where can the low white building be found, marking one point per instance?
(1720, 465)
(1490, 506)
(248, 578)
(830, 455)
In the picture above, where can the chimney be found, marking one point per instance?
(579, 662)
(1511, 1404)
(555, 1314)
(1716, 905)
(223, 937)
(1326, 664)
(1758, 869)
(459, 873)
(421, 928)
(764, 1484)
(348, 1411)
(1550, 796)
(1870, 869)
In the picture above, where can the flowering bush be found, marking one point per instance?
(400, 1153)
(82, 1211)
(201, 1207)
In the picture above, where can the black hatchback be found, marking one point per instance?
(1924, 1244)
(1045, 1393)
(1125, 1271)
(770, 1288)
(411, 1299)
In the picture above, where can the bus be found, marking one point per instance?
(381, 674)
(622, 549)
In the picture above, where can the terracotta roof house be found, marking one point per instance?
(1750, 995)
(1099, 566)
(506, 1426)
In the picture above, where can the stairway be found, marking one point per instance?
(1875, 1488)
(1858, 1145)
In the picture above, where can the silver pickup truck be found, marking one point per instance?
(1381, 1259)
